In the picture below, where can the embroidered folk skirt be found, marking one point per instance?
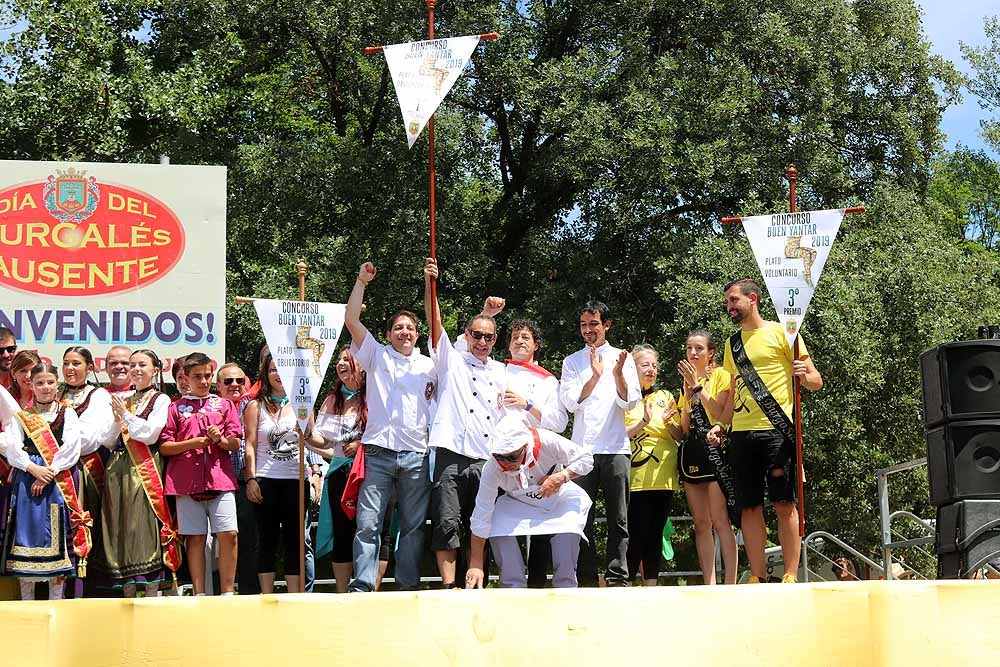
(38, 542)
(130, 530)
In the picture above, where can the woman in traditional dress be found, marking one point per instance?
(43, 445)
(704, 470)
(654, 430)
(131, 528)
(97, 427)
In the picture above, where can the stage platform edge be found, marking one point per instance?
(867, 623)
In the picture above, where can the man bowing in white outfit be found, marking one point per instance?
(533, 467)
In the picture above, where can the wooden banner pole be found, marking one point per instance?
(791, 174)
(301, 268)
(370, 50)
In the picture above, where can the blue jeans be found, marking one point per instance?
(310, 579)
(387, 471)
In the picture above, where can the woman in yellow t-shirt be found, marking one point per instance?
(654, 430)
(703, 381)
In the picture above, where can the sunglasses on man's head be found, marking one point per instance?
(229, 381)
(482, 335)
(11, 349)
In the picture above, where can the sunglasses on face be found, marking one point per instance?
(482, 335)
(9, 349)
(513, 457)
(229, 381)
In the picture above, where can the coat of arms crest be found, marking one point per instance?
(70, 196)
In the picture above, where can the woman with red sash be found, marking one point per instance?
(46, 530)
(134, 507)
(97, 427)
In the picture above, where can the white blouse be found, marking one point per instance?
(97, 423)
(338, 430)
(69, 450)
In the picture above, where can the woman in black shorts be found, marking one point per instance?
(703, 381)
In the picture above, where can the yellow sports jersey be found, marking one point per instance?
(654, 452)
(768, 351)
(717, 381)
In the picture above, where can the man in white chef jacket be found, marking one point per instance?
(534, 468)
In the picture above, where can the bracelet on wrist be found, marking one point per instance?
(250, 479)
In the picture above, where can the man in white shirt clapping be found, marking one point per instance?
(599, 384)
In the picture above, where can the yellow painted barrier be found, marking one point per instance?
(871, 623)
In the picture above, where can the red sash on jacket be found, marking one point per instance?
(80, 521)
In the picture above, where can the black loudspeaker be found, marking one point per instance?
(968, 537)
(963, 460)
(961, 381)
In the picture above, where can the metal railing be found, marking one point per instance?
(813, 543)
(430, 579)
(886, 516)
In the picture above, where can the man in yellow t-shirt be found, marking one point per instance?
(759, 451)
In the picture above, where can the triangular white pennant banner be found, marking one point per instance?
(791, 250)
(302, 337)
(423, 73)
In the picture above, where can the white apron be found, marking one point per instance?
(525, 512)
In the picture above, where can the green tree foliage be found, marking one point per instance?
(985, 61)
(589, 152)
(967, 184)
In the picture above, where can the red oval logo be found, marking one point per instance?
(73, 236)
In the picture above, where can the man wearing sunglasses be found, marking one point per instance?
(231, 382)
(8, 348)
(533, 467)
(598, 398)
(470, 403)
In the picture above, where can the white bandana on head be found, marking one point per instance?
(512, 434)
